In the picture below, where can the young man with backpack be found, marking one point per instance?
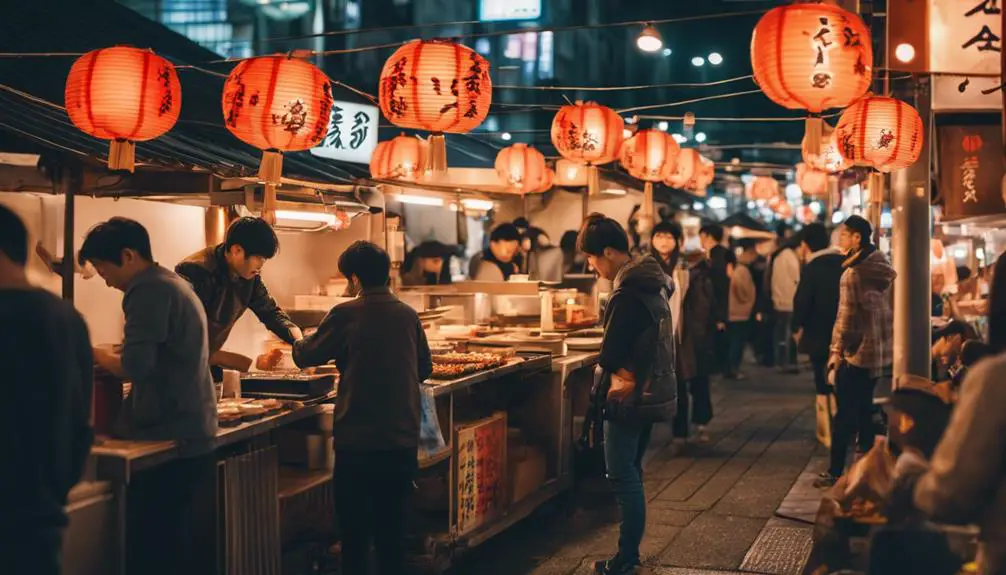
(637, 385)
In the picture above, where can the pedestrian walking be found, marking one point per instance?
(785, 278)
(696, 361)
(861, 341)
(637, 385)
(742, 301)
(722, 262)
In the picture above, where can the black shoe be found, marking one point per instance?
(825, 481)
(614, 567)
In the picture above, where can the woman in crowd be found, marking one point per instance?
(696, 360)
(666, 249)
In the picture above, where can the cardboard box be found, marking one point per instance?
(527, 475)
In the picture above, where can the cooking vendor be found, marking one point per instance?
(496, 262)
(227, 279)
(428, 265)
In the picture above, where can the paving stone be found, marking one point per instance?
(713, 542)
(663, 516)
(656, 540)
(556, 566)
(779, 550)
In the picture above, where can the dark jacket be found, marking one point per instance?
(486, 257)
(226, 296)
(816, 303)
(638, 337)
(380, 348)
(698, 326)
(719, 259)
(47, 380)
(165, 356)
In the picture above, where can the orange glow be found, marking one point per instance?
(278, 103)
(588, 133)
(400, 157)
(522, 168)
(882, 133)
(687, 165)
(123, 93)
(650, 155)
(812, 182)
(829, 160)
(435, 85)
(812, 56)
(763, 188)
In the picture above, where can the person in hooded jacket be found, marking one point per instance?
(666, 249)
(696, 359)
(637, 384)
(861, 341)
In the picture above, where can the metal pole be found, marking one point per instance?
(73, 183)
(910, 213)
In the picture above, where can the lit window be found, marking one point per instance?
(529, 48)
(513, 46)
(545, 57)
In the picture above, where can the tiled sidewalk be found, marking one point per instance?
(711, 506)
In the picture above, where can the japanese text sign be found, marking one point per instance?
(481, 471)
(352, 133)
(965, 36)
(971, 170)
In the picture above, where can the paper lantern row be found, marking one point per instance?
(881, 133)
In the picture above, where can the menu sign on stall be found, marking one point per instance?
(352, 133)
(971, 170)
(481, 471)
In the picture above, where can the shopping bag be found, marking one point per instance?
(825, 414)
(431, 438)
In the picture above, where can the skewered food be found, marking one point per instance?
(486, 359)
(453, 370)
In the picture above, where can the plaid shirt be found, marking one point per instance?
(863, 334)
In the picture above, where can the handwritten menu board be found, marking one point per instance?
(481, 471)
(970, 166)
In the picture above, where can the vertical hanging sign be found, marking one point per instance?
(971, 168)
(965, 39)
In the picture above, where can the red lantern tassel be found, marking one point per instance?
(122, 155)
(270, 168)
(269, 204)
(814, 135)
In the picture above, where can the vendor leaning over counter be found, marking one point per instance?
(165, 357)
(377, 413)
(226, 279)
(47, 377)
(496, 262)
(429, 265)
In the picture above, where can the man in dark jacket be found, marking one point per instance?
(637, 385)
(722, 262)
(816, 303)
(377, 414)
(47, 377)
(165, 356)
(227, 279)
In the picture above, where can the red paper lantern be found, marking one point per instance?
(812, 182)
(399, 157)
(829, 159)
(125, 95)
(812, 56)
(435, 85)
(522, 167)
(881, 133)
(548, 181)
(588, 133)
(650, 155)
(781, 207)
(763, 188)
(687, 165)
(703, 178)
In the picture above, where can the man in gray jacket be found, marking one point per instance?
(165, 355)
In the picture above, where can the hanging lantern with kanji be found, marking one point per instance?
(812, 182)
(589, 134)
(682, 173)
(125, 95)
(522, 168)
(438, 86)
(401, 157)
(829, 159)
(548, 181)
(812, 56)
(651, 156)
(277, 103)
(763, 188)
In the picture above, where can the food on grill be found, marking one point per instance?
(453, 370)
(488, 360)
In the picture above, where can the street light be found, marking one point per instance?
(662, 126)
(904, 52)
(700, 137)
(698, 61)
(715, 59)
(649, 39)
(506, 136)
(679, 138)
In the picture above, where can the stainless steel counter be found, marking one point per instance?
(526, 364)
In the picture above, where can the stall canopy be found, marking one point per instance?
(32, 118)
(744, 220)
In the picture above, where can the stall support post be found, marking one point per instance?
(73, 184)
(910, 214)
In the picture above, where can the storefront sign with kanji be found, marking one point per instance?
(965, 38)
(971, 170)
(352, 133)
(481, 471)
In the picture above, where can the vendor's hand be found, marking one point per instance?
(720, 326)
(296, 333)
(269, 361)
(108, 358)
(797, 336)
(621, 387)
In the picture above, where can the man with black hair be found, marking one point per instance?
(722, 262)
(497, 262)
(861, 340)
(637, 385)
(227, 278)
(815, 305)
(165, 356)
(47, 378)
(377, 415)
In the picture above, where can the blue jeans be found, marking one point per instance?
(625, 443)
